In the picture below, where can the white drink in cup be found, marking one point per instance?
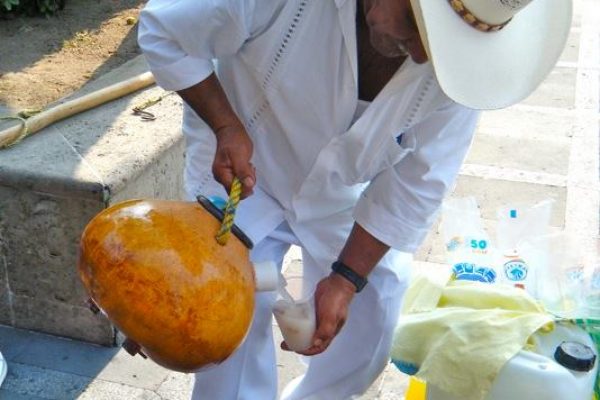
(294, 311)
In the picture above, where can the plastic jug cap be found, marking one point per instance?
(575, 356)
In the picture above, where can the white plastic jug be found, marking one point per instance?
(536, 375)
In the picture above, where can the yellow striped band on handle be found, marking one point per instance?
(230, 207)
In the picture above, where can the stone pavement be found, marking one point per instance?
(49, 367)
(545, 147)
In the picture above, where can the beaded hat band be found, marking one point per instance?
(469, 18)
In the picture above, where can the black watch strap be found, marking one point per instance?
(340, 268)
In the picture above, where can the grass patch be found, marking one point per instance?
(80, 39)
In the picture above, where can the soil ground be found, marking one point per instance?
(43, 59)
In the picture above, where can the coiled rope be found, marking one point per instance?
(230, 207)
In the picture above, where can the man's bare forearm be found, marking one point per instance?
(209, 101)
(362, 251)
(234, 147)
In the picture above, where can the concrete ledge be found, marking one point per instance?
(54, 182)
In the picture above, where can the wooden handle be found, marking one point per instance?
(39, 121)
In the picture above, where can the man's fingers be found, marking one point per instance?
(327, 325)
(326, 330)
(321, 339)
(247, 186)
(246, 173)
(311, 351)
(248, 181)
(232, 159)
(324, 334)
(225, 176)
(339, 327)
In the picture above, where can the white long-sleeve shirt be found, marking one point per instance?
(289, 69)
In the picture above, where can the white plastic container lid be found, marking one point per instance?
(266, 275)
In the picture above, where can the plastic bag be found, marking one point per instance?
(517, 241)
(557, 260)
(467, 242)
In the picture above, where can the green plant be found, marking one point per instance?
(8, 4)
(47, 7)
(31, 7)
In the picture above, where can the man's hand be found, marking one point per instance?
(232, 159)
(332, 298)
(361, 252)
(234, 146)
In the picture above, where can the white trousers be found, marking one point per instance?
(346, 369)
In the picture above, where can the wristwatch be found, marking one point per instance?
(340, 268)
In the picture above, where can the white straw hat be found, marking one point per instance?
(490, 54)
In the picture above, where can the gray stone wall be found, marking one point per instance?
(53, 183)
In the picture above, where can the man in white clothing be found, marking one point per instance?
(345, 139)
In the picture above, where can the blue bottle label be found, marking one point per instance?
(516, 270)
(472, 272)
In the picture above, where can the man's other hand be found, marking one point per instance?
(332, 299)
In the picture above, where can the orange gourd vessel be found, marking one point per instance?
(155, 269)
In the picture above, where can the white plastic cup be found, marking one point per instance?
(294, 311)
(560, 282)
